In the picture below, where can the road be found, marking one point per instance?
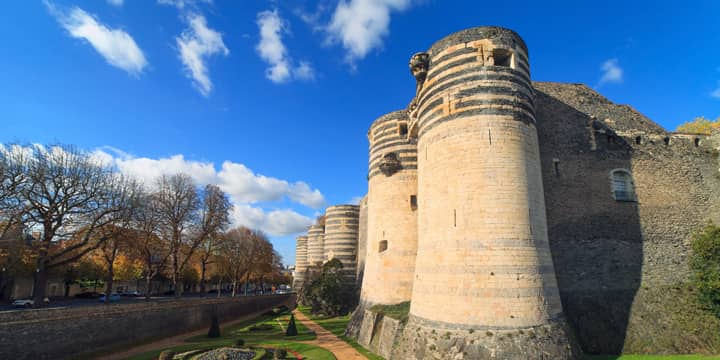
(73, 302)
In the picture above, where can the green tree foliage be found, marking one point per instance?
(699, 125)
(705, 263)
(291, 328)
(328, 294)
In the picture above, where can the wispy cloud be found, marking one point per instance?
(250, 192)
(716, 93)
(360, 25)
(116, 46)
(273, 51)
(181, 4)
(611, 72)
(195, 45)
(115, 2)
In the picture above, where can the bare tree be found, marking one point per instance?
(146, 245)
(236, 251)
(215, 217)
(178, 208)
(68, 195)
(12, 177)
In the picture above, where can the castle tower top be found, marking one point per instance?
(498, 35)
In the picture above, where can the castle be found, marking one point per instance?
(520, 219)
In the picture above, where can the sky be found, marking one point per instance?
(272, 100)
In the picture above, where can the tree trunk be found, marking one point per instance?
(219, 289)
(234, 287)
(202, 278)
(40, 282)
(148, 283)
(109, 285)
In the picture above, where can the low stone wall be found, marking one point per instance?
(58, 333)
(379, 333)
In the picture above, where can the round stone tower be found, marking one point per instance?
(300, 262)
(483, 263)
(315, 245)
(392, 222)
(341, 238)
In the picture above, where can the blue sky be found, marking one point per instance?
(273, 99)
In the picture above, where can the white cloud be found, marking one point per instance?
(115, 45)
(716, 92)
(272, 49)
(611, 72)
(181, 4)
(195, 45)
(115, 2)
(274, 222)
(361, 25)
(356, 200)
(246, 189)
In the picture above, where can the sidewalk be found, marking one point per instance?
(328, 341)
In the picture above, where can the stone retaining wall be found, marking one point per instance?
(59, 333)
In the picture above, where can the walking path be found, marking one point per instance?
(171, 341)
(325, 339)
(328, 340)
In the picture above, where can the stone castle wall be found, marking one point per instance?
(301, 263)
(64, 333)
(341, 238)
(392, 218)
(315, 252)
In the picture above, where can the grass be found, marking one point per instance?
(398, 311)
(266, 331)
(337, 326)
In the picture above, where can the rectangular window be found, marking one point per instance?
(402, 129)
(502, 57)
(413, 202)
(382, 246)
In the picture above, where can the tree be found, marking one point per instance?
(12, 179)
(291, 328)
(146, 246)
(215, 217)
(118, 239)
(236, 251)
(69, 195)
(178, 203)
(328, 294)
(705, 263)
(699, 125)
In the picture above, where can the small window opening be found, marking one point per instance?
(413, 202)
(382, 246)
(666, 140)
(454, 218)
(622, 185)
(556, 166)
(502, 57)
(697, 142)
(638, 140)
(402, 129)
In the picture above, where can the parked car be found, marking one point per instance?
(113, 298)
(27, 303)
(88, 295)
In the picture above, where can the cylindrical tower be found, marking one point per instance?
(341, 238)
(392, 219)
(362, 240)
(300, 262)
(315, 245)
(483, 259)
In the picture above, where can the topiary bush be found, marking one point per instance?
(166, 355)
(214, 331)
(291, 328)
(280, 354)
(705, 264)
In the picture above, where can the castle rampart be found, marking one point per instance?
(341, 238)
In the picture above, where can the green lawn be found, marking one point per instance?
(337, 325)
(266, 331)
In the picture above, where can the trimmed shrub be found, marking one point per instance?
(291, 328)
(214, 331)
(280, 354)
(705, 263)
(166, 355)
